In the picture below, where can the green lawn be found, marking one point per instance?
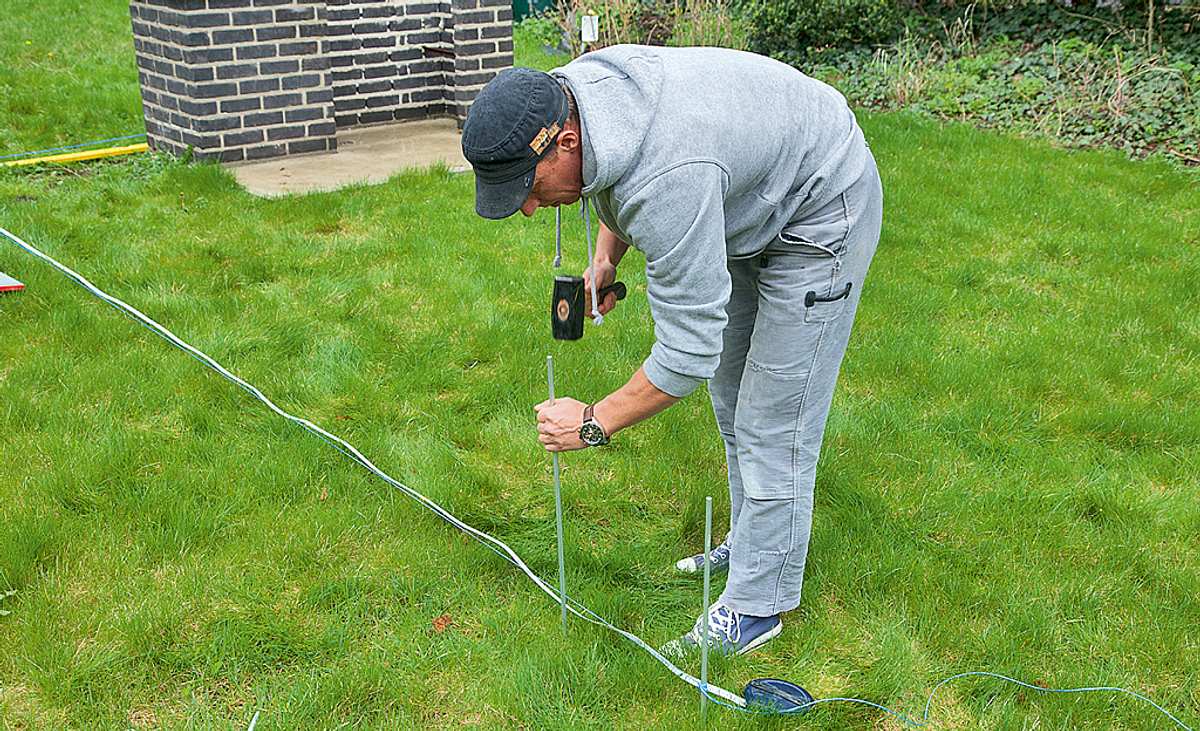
(1009, 481)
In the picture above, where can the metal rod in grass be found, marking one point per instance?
(704, 614)
(558, 515)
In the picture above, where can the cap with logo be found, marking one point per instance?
(511, 126)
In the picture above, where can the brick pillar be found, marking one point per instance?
(234, 79)
(482, 47)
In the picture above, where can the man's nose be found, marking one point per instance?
(529, 206)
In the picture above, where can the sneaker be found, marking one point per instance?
(718, 559)
(729, 633)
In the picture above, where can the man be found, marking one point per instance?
(751, 192)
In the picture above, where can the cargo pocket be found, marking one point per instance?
(824, 307)
(820, 242)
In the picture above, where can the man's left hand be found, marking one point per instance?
(558, 424)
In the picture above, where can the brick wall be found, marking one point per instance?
(248, 79)
(482, 47)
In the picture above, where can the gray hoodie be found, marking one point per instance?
(697, 155)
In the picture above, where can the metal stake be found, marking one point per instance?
(704, 614)
(558, 519)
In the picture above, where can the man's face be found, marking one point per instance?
(559, 176)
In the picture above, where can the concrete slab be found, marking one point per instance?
(365, 154)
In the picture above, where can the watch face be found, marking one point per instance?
(591, 434)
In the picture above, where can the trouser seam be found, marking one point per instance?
(803, 402)
(786, 555)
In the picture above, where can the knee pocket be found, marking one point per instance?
(767, 417)
(770, 561)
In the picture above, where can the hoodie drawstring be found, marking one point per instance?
(557, 237)
(597, 318)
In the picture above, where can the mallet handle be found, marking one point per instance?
(617, 288)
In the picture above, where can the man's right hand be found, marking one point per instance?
(606, 274)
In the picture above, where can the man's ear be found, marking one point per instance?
(568, 140)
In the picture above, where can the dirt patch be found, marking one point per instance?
(143, 718)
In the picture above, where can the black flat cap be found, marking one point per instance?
(511, 125)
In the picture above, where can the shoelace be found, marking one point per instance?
(725, 621)
(720, 554)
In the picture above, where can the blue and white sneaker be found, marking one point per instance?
(729, 633)
(718, 560)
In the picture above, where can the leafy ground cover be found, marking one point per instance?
(1009, 480)
(1080, 92)
(1084, 77)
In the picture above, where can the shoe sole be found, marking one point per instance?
(761, 640)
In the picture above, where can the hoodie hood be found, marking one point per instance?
(617, 92)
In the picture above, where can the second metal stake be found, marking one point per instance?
(558, 518)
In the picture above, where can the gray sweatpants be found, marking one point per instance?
(771, 393)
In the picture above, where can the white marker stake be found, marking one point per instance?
(562, 573)
(704, 614)
(589, 28)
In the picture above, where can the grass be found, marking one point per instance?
(68, 75)
(1009, 479)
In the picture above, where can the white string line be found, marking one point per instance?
(495, 544)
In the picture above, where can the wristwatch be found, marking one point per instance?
(591, 433)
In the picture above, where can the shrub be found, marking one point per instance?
(542, 29)
(1150, 24)
(798, 30)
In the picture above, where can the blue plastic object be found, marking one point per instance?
(776, 696)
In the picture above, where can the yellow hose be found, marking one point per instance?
(79, 156)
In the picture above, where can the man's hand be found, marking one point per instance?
(558, 424)
(606, 274)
